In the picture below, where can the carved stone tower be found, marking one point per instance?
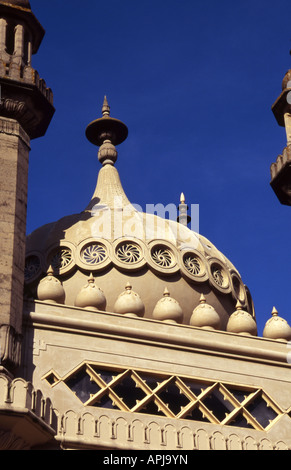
(26, 109)
(281, 168)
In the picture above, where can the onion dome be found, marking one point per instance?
(117, 241)
(90, 296)
(205, 316)
(168, 309)
(51, 289)
(129, 303)
(277, 328)
(241, 322)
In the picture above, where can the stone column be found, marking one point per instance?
(19, 42)
(14, 155)
(3, 25)
(287, 120)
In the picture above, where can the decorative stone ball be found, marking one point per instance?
(277, 328)
(241, 322)
(129, 303)
(91, 296)
(168, 309)
(205, 316)
(51, 289)
(107, 153)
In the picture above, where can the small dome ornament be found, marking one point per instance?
(241, 322)
(277, 328)
(129, 303)
(50, 288)
(91, 296)
(168, 309)
(205, 316)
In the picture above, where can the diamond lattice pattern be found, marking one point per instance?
(171, 396)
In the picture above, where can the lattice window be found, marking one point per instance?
(171, 396)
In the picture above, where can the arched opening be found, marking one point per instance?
(10, 38)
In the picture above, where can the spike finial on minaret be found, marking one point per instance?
(105, 107)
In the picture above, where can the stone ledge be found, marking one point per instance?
(145, 331)
(25, 414)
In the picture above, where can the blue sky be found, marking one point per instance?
(194, 82)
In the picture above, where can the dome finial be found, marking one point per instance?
(277, 328)
(275, 312)
(105, 107)
(168, 309)
(183, 217)
(106, 128)
(166, 292)
(129, 303)
(205, 316)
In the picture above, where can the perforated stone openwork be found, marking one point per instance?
(162, 256)
(61, 259)
(94, 254)
(171, 396)
(128, 253)
(192, 264)
(218, 276)
(32, 267)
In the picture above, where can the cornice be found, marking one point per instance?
(156, 333)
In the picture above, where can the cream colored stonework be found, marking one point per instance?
(134, 332)
(141, 346)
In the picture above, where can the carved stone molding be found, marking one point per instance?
(27, 418)
(15, 109)
(28, 103)
(12, 127)
(10, 347)
(86, 430)
(8, 441)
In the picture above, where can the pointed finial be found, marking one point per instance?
(106, 128)
(166, 293)
(183, 218)
(91, 279)
(105, 107)
(202, 299)
(128, 286)
(238, 305)
(50, 271)
(274, 312)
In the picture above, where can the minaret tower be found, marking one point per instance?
(281, 169)
(26, 109)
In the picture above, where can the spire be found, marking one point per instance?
(281, 168)
(105, 107)
(106, 128)
(106, 132)
(183, 217)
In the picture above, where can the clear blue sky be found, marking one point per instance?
(194, 81)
